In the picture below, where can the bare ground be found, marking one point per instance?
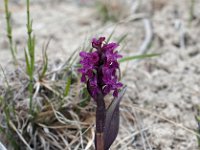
(163, 92)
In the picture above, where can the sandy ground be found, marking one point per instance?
(167, 86)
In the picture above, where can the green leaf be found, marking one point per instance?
(122, 38)
(110, 36)
(67, 87)
(198, 118)
(86, 98)
(32, 53)
(68, 62)
(45, 60)
(129, 58)
(28, 69)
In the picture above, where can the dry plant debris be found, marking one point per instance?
(168, 86)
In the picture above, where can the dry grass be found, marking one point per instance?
(62, 122)
(59, 122)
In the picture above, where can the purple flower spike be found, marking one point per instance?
(99, 68)
(99, 72)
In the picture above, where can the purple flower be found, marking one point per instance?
(110, 46)
(89, 62)
(99, 68)
(93, 86)
(110, 81)
(97, 43)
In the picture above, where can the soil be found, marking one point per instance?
(163, 92)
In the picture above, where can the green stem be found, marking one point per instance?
(9, 31)
(31, 53)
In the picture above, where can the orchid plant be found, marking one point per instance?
(99, 72)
